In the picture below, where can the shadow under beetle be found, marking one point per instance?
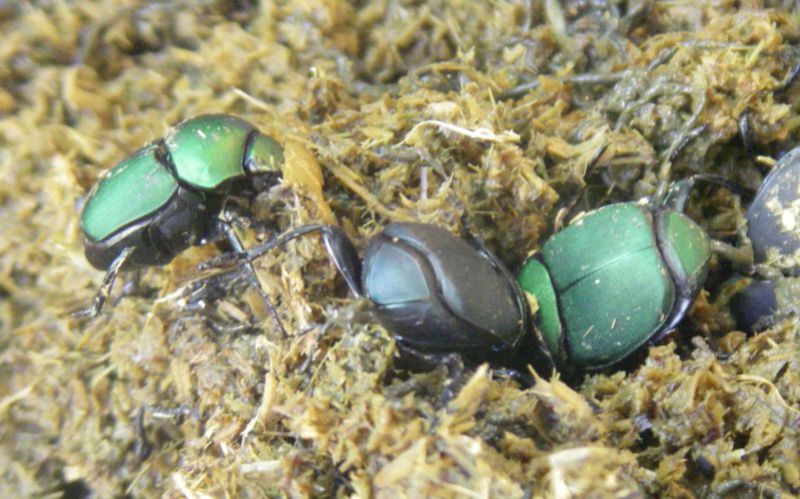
(170, 195)
(773, 227)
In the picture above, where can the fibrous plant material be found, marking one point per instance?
(502, 119)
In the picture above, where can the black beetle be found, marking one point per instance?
(436, 293)
(773, 227)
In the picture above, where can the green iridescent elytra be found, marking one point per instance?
(209, 151)
(166, 196)
(113, 204)
(613, 280)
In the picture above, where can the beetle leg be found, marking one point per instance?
(741, 255)
(339, 247)
(238, 248)
(105, 289)
(259, 250)
(789, 79)
(143, 446)
(746, 133)
(678, 194)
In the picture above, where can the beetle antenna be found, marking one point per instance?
(105, 289)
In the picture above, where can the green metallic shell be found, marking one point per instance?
(133, 189)
(686, 248)
(263, 154)
(209, 150)
(534, 279)
(613, 288)
(166, 196)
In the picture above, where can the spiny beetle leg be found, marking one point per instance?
(337, 244)
(237, 246)
(105, 289)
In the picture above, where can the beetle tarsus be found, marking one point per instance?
(103, 293)
(746, 133)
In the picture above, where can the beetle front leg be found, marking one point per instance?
(679, 192)
(105, 289)
(238, 248)
(338, 246)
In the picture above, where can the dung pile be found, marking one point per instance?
(501, 119)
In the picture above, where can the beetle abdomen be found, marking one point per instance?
(435, 291)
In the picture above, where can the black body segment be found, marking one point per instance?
(773, 227)
(437, 292)
(774, 216)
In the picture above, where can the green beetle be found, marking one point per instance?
(169, 195)
(616, 279)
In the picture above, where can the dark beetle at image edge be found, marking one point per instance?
(772, 293)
